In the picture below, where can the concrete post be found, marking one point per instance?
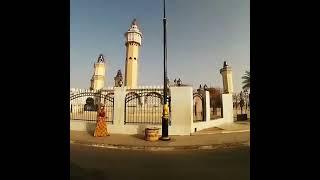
(181, 110)
(206, 109)
(227, 109)
(119, 105)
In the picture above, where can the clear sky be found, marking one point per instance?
(200, 35)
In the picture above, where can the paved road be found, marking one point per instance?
(107, 164)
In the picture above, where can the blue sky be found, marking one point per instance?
(200, 35)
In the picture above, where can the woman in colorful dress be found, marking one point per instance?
(101, 128)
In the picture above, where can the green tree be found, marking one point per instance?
(246, 80)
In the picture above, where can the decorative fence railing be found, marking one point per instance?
(241, 105)
(83, 105)
(141, 106)
(144, 106)
(216, 107)
(198, 107)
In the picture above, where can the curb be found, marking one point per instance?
(165, 148)
(221, 132)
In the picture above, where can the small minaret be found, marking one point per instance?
(98, 78)
(226, 73)
(118, 80)
(133, 43)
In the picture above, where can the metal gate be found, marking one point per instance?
(216, 107)
(144, 106)
(83, 106)
(198, 107)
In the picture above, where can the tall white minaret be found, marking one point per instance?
(98, 78)
(133, 43)
(226, 73)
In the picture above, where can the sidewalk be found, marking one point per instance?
(239, 126)
(212, 138)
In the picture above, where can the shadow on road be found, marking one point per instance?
(78, 173)
(90, 128)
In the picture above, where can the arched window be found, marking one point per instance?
(135, 58)
(130, 57)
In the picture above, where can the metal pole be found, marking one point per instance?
(165, 112)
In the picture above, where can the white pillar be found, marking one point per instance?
(119, 105)
(181, 110)
(227, 108)
(206, 109)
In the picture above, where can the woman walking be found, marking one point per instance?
(101, 128)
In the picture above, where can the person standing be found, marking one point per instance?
(101, 127)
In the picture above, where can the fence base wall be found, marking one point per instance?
(207, 124)
(181, 115)
(124, 129)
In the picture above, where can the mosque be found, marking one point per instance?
(131, 109)
(133, 42)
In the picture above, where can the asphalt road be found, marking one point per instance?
(108, 164)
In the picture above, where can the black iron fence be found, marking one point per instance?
(144, 106)
(84, 105)
(241, 105)
(216, 107)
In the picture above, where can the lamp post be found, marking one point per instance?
(165, 112)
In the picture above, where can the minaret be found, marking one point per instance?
(98, 78)
(133, 43)
(226, 73)
(118, 79)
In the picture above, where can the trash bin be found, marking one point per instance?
(152, 134)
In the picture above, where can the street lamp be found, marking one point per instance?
(165, 112)
(179, 82)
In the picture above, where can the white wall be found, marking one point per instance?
(207, 124)
(227, 118)
(181, 114)
(76, 125)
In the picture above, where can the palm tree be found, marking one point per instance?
(246, 80)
